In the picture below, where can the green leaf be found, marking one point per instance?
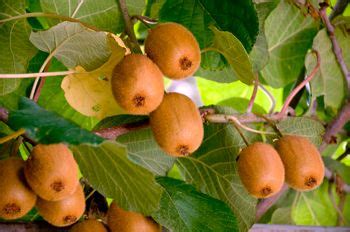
(282, 216)
(15, 47)
(73, 45)
(289, 35)
(238, 17)
(120, 120)
(184, 209)
(144, 150)
(329, 80)
(212, 170)
(52, 98)
(103, 14)
(314, 208)
(307, 127)
(231, 48)
(108, 170)
(10, 101)
(339, 168)
(259, 55)
(47, 127)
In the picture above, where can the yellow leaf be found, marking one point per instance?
(90, 93)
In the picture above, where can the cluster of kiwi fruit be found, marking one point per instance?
(138, 87)
(48, 179)
(263, 169)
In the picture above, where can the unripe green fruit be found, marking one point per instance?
(261, 170)
(302, 161)
(17, 199)
(174, 49)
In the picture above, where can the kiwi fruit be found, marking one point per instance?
(303, 163)
(90, 225)
(119, 220)
(137, 84)
(177, 125)
(261, 170)
(51, 171)
(17, 199)
(174, 49)
(63, 212)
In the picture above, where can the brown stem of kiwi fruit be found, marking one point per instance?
(129, 27)
(255, 91)
(240, 133)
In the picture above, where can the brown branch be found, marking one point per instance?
(336, 47)
(339, 8)
(112, 133)
(336, 126)
(129, 27)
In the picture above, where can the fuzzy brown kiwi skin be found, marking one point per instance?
(261, 170)
(177, 125)
(174, 49)
(302, 161)
(120, 220)
(90, 225)
(17, 199)
(63, 212)
(137, 84)
(51, 171)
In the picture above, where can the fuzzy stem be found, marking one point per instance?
(270, 96)
(12, 136)
(129, 27)
(32, 75)
(255, 91)
(48, 15)
(301, 85)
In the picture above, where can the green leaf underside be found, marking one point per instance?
(109, 171)
(73, 45)
(184, 209)
(259, 55)
(103, 14)
(233, 51)
(314, 208)
(47, 127)
(144, 150)
(15, 47)
(212, 170)
(289, 35)
(329, 80)
(236, 17)
(307, 127)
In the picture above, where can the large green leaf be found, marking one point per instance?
(231, 48)
(15, 47)
(329, 80)
(289, 35)
(307, 127)
(103, 14)
(259, 55)
(73, 45)
(314, 208)
(212, 169)
(108, 170)
(184, 209)
(144, 150)
(47, 127)
(52, 98)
